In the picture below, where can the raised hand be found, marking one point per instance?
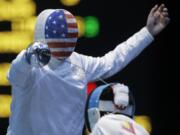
(38, 54)
(158, 19)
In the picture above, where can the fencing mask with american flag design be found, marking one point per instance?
(57, 28)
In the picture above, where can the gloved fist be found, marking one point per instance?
(38, 54)
(121, 95)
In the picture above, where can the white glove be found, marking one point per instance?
(121, 95)
(38, 54)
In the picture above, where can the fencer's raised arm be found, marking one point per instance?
(114, 61)
(117, 59)
(35, 56)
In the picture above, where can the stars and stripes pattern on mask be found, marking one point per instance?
(61, 33)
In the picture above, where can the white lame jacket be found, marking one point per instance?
(115, 124)
(51, 100)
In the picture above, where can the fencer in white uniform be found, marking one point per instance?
(103, 117)
(50, 100)
(116, 124)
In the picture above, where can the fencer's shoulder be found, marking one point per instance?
(114, 117)
(74, 55)
(79, 57)
(76, 58)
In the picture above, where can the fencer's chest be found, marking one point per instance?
(67, 74)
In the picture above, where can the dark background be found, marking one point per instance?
(150, 75)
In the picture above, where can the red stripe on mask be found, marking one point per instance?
(60, 45)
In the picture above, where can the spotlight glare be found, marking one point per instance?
(81, 26)
(70, 2)
(92, 26)
(5, 101)
(144, 121)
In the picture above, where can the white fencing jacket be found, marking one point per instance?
(115, 124)
(51, 100)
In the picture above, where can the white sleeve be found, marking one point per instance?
(19, 74)
(114, 61)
